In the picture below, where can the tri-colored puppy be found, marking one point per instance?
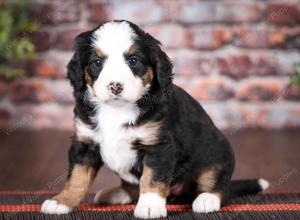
(156, 137)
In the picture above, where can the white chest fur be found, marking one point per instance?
(115, 139)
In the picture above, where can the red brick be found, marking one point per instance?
(211, 89)
(55, 12)
(165, 34)
(29, 91)
(3, 89)
(41, 67)
(38, 90)
(235, 65)
(50, 65)
(277, 38)
(259, 37)
(258, 90)
(188, 62)
(61, 90)
(41, 40)
(209, 38)
(171, 9)
(61, 59)
(235, 12)
(98, 12)
(225, 12)
(263, 64)
(293, 37)
(65, 38)
(139, 12)
(239, 65)
(292, 92)
(283, 12)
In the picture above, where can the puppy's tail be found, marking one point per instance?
(248, 186)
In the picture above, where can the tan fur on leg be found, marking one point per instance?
(148, 185)
(207, 178)
(77, 186)
(152, 200)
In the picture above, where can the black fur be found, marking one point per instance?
(85, 154)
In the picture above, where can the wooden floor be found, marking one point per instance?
(37, 160)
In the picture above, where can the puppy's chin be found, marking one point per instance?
(115, 101)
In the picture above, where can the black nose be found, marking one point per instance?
(115, 88)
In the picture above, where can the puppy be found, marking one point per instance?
(155, 136)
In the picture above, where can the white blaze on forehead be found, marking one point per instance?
(114, 37)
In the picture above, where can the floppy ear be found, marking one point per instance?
(78, 61)
(164, 69)
(162, 64)
(75, 74)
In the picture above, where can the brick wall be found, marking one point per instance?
(235, 57)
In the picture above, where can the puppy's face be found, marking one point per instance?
(118, 63)
(118, 69)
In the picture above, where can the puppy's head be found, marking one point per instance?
(117, 63)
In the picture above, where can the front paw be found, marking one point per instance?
(52, 206)
(150, 205)
(207, 202)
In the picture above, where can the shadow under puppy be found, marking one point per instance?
(156, 137)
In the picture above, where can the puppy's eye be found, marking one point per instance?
(98, 63)
(132, 61)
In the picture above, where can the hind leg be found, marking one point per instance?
(213, 186)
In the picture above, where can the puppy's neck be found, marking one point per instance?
(116, 115)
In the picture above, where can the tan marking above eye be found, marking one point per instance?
(100, 53)
(131, 50)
